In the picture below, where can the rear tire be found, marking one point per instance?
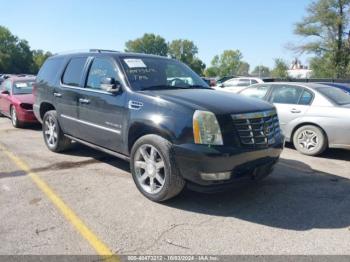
(14, 119)
(154, 170)
(53, 135)
(310, 140)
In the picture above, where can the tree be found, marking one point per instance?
(322, 67)
(39, 57)
(280, 69)
(327, 24)
(211, 72)
(15, 54)
(186, 51)
(148, 44)
(243, 69)
(261, 71)
(228, 63)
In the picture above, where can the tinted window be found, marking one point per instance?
(244, 82)
(306, 98)
(338, 96)
(49, 70)
(230, 83)
(254, 81)
(256, 91)
(100, 68)
(286, 94)
(74, 71)
(8, 85)
(23, 87)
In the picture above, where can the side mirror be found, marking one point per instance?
(5, 92)
(110, 85)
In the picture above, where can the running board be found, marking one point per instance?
(107, 151)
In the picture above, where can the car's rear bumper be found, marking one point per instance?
(243, 164)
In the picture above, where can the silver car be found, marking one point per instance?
(312, 116)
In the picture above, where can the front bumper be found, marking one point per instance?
(26, 116)
(244, 164)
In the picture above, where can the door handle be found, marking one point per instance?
(84, 101)
(57, 94)
(295, 111)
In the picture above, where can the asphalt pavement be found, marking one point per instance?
(302, 208)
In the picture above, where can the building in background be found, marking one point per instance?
(297, 70)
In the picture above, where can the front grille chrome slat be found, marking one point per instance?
(257, 130)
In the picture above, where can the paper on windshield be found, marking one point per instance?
(21, 85)
(135, 63)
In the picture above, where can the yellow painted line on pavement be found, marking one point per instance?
(68, 213)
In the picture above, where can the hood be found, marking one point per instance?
(25, 98)
(218, 102)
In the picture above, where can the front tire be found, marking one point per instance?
(310, 140)
(154, 170)
(53, 135)
(14, 119)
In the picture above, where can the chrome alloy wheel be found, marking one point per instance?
(50, 130)
(308, 140)
(150, 169)
(14, 116)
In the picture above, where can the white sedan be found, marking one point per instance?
(237, 84)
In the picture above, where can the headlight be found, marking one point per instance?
(206, 129)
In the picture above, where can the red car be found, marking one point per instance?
(16, 100)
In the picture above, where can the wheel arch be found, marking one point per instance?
(138, 130)
(45, 107)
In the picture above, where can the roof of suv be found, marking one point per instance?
(109, 53)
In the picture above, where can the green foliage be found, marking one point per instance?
(186, 51)
(322, 67)
(39, 57)
(211, 72)
(243, 69)
(15, 54)
(228, 63)
(280, 69)
(261, 71)
(148, 44)
(326, 26)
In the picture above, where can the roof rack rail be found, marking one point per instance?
(103, 50)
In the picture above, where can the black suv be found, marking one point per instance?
(158, 114)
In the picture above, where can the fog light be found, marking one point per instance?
(216, 176)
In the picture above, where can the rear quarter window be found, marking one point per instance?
(306, 98)
(74, 71)
(49, 71)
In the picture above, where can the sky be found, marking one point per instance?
(260, 29)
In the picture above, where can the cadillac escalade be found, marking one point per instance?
(159, 115)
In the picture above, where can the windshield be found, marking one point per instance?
(23, 87)
(338, 96)
(151, 73)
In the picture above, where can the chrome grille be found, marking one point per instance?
(257, 130)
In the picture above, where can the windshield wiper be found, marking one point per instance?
(198, 86)
(161, 87)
